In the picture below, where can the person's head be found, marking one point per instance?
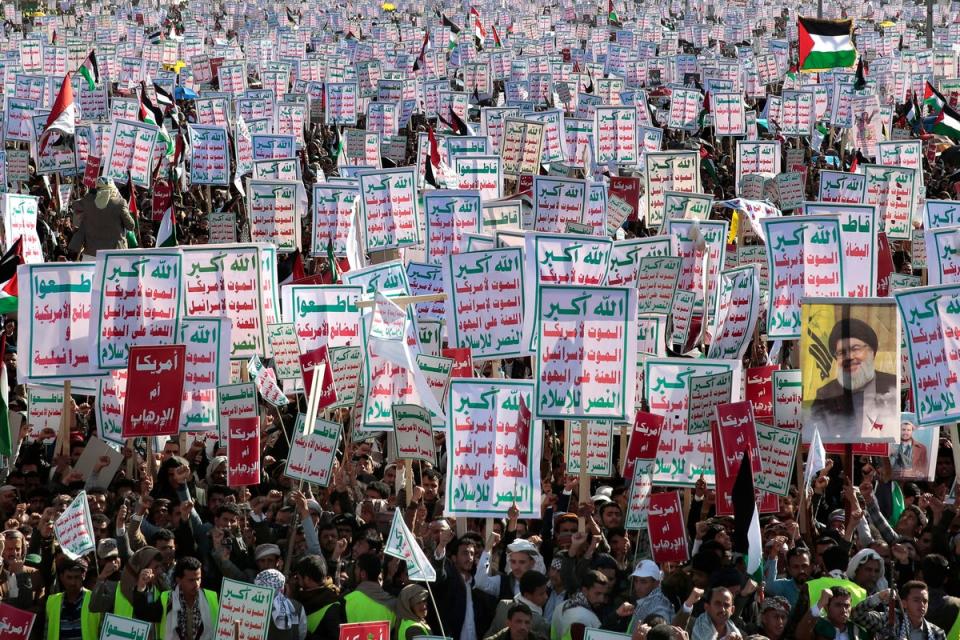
(166, 544)
(594, 587)
(521, 557)
(533, 587)
(219, 495)
(378, 491)
(328, 534)
(97, 498)
(865, 568)
(838, 608)
(170, 448)
(465, 554)
(911, 521)
(611, 515)
(906, 431)
(311, 572)
(618, 541)
(774, 612)
(798, 564)
(367, 568)
(430, 481)
(519, 621)
(188, 574)
(666, 632)
(565, 526)
(267, 556)
(854, 344)
(14, 546)
(719, 606)
(228, 518)
(834, 558)
(646, 577)
(8, 498)
(412, 602)
(70, 574)
(935, 569)
(915, 598)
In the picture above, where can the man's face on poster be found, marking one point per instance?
(854, 359)
(906, 432)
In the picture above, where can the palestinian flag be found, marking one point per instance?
(612, 17)
(90, 70)
(454, 32)
(826, 44)
(151, 114)
(747, 538)
(496, 37)
(63, 117)
(421, 59)
(916, 113)
(861, 78)
(433, 160)
(338, 149)
(948, 123)
(933, 98)
(12, 259)
(167, 233)
(331, 260)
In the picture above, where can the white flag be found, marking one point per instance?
(816, 459)
(266, 381)
(74, 528)
(401, 544)
(388, 339)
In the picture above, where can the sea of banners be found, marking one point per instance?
(526, 264)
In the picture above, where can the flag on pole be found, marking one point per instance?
(816, 458)
(12, 259)
(933, 98)
(948, 123)
(825, 44)
(421, 59)
(747, 538)
(167, 233)
(496, 37)
(331, 261)
(90, 70)
(860, 82)
(433, 159)
(401, 544)
(151, 114)
(612, 17)
(63, 117)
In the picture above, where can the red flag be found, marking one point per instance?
(523, 433)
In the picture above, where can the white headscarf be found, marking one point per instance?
(528, 547)
(284, 615)
(106, 189)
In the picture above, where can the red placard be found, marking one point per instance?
(365, 631)
(162, 198)
(628, 190)
(737, 434)
(760, 391)
(243, 451)
(668, 536)
(15, 624)
(154, 391)
(92, 172)
(884, 264)
(462, 361)
(308, 362)
(644, 440)
(525, 183)
(725, 477)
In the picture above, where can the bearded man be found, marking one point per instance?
(860, 401)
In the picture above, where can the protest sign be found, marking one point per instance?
(668, 538)
(599, 460)
(282, 340)
(317, 362)
(677, 171)
(778, 451)
(207, 356)
(249, 605)
(577, 326)
(20, 221)
(365, 631)
(74, 528)
(850, 363)
(154, 394)
(388, 205)
(313, 453)
(738, 309)
(414, 433)
(705, 393)
(489, 471)
(243, 451)
(638, 503)
(119, 627)
(236, 401)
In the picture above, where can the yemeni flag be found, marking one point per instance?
(63, 117)
(826, 44)
(948, 123)
(12, 259)
(90, 71)
(421, 59)
(747, 538)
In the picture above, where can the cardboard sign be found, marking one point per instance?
(154, 391)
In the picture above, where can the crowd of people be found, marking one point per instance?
(844, 558)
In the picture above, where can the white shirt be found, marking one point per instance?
(469, 631)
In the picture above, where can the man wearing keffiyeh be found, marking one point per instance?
(288, 619)
(186, 613)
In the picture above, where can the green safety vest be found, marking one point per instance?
(361, 608)
(315, 618)
(89, 622)
(815, 587)
(165, 599)
(412, 624)
(123, 607)
(954, 633)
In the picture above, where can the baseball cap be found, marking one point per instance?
(647, 569)
(266, 550)
(107, 548)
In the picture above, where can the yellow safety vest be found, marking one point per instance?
(165, 599)
(315, 618)
(123, 607)
(815, 587)
(362, 608)
(407, 624)
(89, 622)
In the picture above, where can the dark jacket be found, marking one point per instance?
(450, 592)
